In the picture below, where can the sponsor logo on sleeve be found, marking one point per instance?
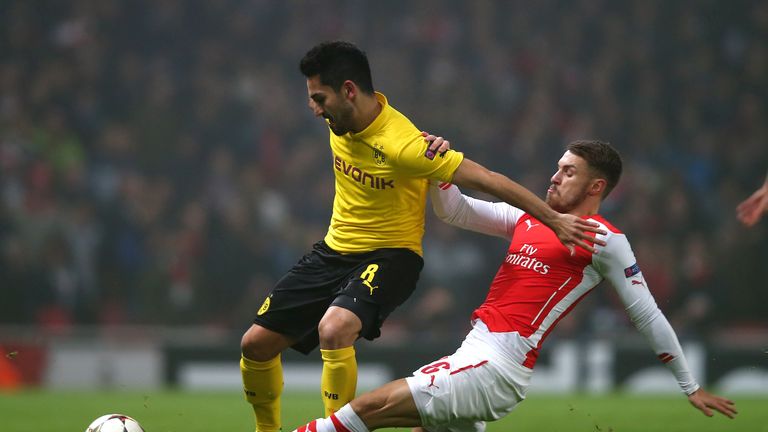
(632, 270)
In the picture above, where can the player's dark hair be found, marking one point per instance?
(602, 158)
(336, 62)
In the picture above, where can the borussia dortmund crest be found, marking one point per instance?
(378, 154)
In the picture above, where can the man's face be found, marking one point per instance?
(331, 105)
(570, 184)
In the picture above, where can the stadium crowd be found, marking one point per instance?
(158, 162)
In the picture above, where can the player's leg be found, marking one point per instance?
(388, 406)
(391, 405)
(289, 316)
(447, 395)
(338, 330)
(262, 374)
(476, 384)
(380, 281)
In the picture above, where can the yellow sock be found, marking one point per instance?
(263, 384)
(339, 378)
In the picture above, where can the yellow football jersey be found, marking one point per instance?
(381, 184)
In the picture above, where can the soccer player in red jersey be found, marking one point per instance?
(538, 283)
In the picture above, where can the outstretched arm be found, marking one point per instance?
(706, 402)
(617, 263)
(751, 209)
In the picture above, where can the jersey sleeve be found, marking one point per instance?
(450, 205)
(411, 161)
(617, 263)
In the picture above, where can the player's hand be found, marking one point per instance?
(706, 402)
(750, 210)
(435, 145)
(574, 231)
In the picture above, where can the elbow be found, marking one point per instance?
(445, 206)
(445, 216)
(439, 208)
(643, 318)
(440, 214)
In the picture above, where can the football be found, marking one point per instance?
(114, 423)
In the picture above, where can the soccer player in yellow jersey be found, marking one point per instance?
(370, 259)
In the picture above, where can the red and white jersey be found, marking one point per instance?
(539, 282)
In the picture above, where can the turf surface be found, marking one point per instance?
(171, 411)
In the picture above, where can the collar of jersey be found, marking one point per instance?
(378, 122)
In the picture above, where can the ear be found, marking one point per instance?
(598, 186)
(348, 89)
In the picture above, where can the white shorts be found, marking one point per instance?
(460, 392)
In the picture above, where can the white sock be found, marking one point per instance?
(345, 417)
(348, 417)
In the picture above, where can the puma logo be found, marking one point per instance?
(432, 383)
(530, 225)
(638, 282)
(368, 284)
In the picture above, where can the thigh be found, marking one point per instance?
(381, 281)
(462, 391)
(301, 297)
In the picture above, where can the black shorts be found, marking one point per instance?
(370, 284)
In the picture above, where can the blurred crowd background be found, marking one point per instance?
(159, 163)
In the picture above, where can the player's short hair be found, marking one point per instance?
(336, 62)
(602, 158)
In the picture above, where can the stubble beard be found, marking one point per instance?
(342, 122)
(564, 205)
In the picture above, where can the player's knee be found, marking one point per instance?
(338, 328)
(337, 333)
(256, 347)
(368, 405)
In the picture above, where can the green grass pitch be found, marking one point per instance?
(175, 411)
